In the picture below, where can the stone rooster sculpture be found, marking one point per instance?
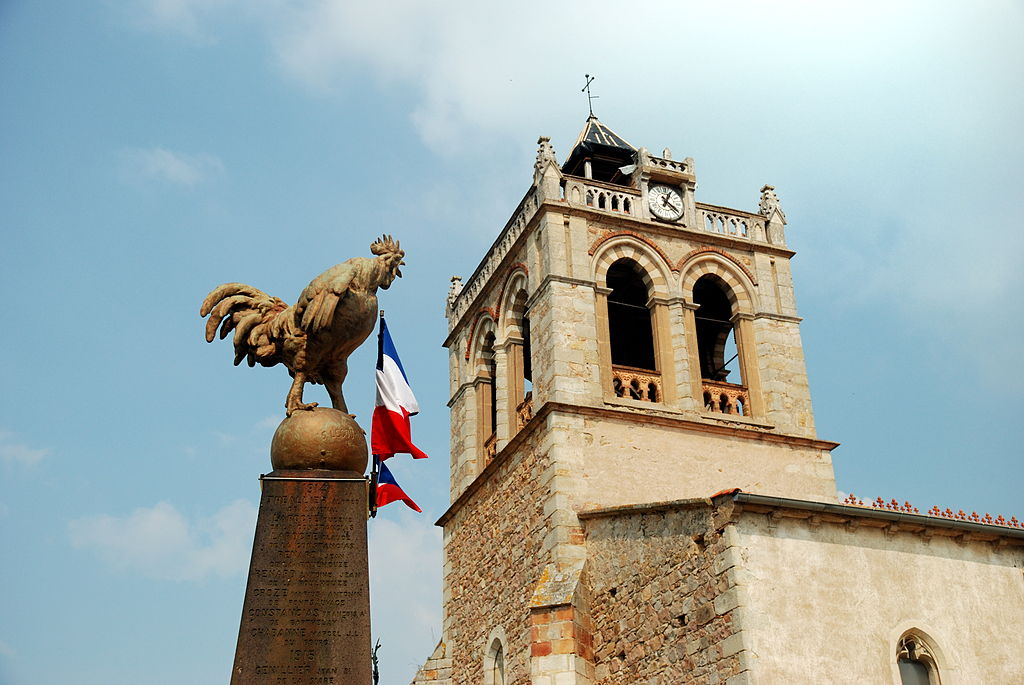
(315, 336)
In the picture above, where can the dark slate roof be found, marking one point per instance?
(597, 133)
(597, 141)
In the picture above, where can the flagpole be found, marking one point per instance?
(374, 470)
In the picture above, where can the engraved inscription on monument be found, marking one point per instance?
(307, 610)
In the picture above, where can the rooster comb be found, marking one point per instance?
(385, 245)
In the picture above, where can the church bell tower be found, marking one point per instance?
(620, 344)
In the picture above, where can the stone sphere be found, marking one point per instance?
(319, 438)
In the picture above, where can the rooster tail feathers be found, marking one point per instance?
(227, 290)
(222, 309)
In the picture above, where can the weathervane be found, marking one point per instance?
(586, 88)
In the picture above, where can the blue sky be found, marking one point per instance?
(151, 150)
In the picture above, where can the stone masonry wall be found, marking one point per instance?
(662, 597)
(493, 560)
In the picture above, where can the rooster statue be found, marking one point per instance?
(315, 336)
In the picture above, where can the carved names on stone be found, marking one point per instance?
(306, 613)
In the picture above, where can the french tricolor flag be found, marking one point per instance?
(389, 430)
(388, 489)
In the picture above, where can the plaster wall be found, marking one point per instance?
(828, 603)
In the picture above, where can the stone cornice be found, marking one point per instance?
(778, 317)
(816, 513)
(645, 508)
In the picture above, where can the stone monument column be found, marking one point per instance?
(306, 615)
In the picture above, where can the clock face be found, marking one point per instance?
(665, 202)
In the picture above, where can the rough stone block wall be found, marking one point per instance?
(495, 558)
(661, 606)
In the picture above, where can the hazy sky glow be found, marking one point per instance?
(154, 149)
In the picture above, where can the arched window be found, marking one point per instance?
(629, 320)
(494, 663)
(916, 661)
(488, 397)
(716, 339)
(520, 363)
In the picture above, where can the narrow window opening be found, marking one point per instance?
(615, 203)
(492, 368)
(626, 205)
(600, 200)
(629, 319)
(494, 663)
(716, 341)
(498, 674)
(488, 404)
(527, 358)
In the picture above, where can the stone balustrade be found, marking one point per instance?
(607, 197)
(726, 398)
(636, 384)
(731, 222)
(682, 166)
(524, 412)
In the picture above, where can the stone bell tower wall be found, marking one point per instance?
(497, 541)
(682, 459)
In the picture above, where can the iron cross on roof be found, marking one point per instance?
(586, 88)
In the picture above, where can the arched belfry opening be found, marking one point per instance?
(715, 331)
(629, 320)
(520, 364)
(488, 395)
(719, 348)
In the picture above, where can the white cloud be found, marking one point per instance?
(405, 588)
(12, 452)
(172, 167)
(875, 114)
(160, 542)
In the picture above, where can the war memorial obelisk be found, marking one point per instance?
(306, 613)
